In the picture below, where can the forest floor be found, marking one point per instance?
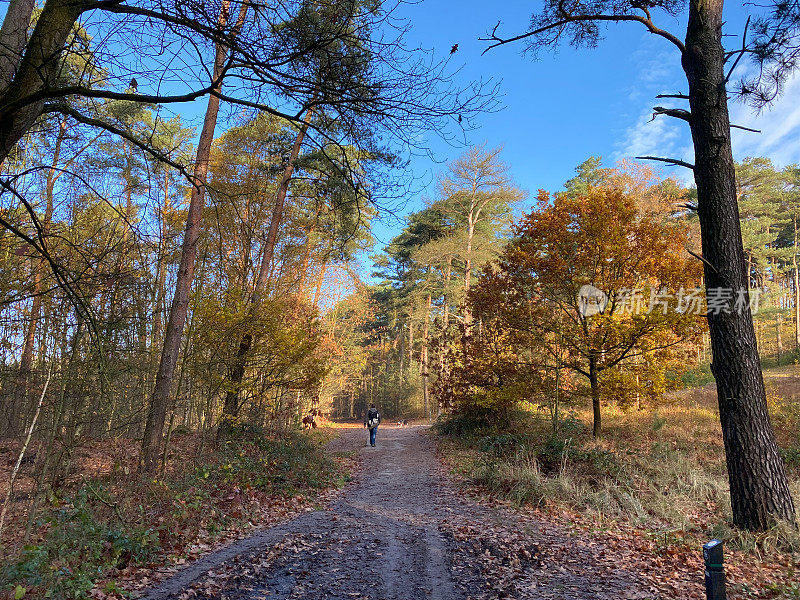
(402, 529)
(107, 530)
(652, 489)
(427, 516)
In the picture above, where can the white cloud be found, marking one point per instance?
(660, 136)
(779, 124)
(657, 73)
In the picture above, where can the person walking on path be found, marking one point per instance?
(371, 422)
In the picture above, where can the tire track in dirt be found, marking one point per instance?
(399, 531)
(379, 540)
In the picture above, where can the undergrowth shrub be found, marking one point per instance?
(654, 470)
(791, 456)
(696, 377)
(78, 546)
(284, 466)
(787, 358)
(105, 526)
(465, 425)
(504, 444)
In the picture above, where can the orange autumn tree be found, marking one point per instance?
(597, 284)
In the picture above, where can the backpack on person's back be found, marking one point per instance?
(373, 418)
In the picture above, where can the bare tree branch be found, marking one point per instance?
(671, 161)
(678, 113)
(567, 19)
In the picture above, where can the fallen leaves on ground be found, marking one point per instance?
(574, 543)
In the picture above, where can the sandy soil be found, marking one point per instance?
(401, 531)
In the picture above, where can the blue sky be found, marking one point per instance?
(570, 104)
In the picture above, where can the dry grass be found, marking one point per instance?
(659, 472)
(671, 459)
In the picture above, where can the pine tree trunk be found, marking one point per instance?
(424, 358)
(39, 67)
(411, 341)
(468, 279)
(26, 360)
(796, 288)
(277, 212)
(401, 338)
(443, 366)
(161, 269)
(159, 402)
(758, 483)
(236, 371)
(320, 280)
(14, 34)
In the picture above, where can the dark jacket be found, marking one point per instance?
(372, 413)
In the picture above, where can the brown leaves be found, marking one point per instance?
(501, 557)
(586, 554)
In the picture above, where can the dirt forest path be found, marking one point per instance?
(400, 531)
